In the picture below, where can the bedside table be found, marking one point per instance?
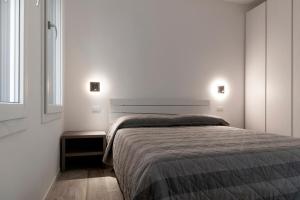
(76, 146)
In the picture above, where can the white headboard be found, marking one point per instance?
(121, 107)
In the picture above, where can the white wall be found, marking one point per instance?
(30, 159)
(151, 48)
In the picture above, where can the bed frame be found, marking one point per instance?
(121, 107)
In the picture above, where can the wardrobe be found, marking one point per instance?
(272, 72)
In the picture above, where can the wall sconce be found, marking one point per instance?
(94, 86)
(221, 89)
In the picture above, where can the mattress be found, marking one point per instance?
(205, 162)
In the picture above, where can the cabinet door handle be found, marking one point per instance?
(37, 2)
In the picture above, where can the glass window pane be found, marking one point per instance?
(10, 51)
(53, 52)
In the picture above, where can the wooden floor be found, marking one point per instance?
(89, 184)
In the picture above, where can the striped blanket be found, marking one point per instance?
(205, 162)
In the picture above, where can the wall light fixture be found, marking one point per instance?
(94, 86)
(219, 89)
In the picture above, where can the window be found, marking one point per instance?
(53, 64)
(10, 51)
(11, 68)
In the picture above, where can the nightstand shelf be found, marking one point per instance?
(80, 145)
(84, 154)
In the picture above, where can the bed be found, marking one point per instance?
(200, 157)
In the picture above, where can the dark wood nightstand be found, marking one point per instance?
(80, 146)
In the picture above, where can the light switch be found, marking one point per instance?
(220, 109)
(96, 109)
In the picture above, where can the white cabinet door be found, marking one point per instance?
(296, 56)
(279, 67)
(256, 68)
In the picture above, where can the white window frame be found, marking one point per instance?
(50, 112)
(13, 111)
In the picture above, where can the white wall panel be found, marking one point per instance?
(255, 68)
(296, 107)
(279, 66)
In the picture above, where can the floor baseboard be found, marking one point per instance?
(51, 184)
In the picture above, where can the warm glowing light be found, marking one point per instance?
(104, 85)
(215, 89)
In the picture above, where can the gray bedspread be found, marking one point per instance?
(205, 162)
